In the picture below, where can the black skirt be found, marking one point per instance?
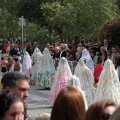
(3, 69)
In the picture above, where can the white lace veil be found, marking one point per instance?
(63, 69)
(27, 62)
(62, 74)
(37, 55)
(86, 80)
(108, 74)
(108, 79)
(81, 63)
(86, 55)
(80, 68)
(75, 82)
(46, 63)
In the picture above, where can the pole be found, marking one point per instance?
(22, 23)
(22, 31)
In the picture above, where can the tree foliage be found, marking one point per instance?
(30, 9)
(68, 19)
(111, 31)
(7, 24)
(10, 5)
(9, 20)
(78, 18)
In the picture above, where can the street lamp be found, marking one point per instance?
(22, 23)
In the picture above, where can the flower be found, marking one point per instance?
(52, 77)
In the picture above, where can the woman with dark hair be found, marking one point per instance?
(11, 107)
(69, 105)
(115, 58)
(103, 54)
(71, 51)
(101, 110)
(109, 53)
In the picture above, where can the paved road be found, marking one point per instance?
(38, 102)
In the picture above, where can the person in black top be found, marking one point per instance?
(13, 50)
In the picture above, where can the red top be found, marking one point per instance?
(72, 53)
(5, 46)
(3, 62)
(97, 71)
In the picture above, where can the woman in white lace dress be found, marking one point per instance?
(36, 58)
(86, 80)
(27, 64)
(63, 73)
(75, 82)
(46, 70)
(108, 85)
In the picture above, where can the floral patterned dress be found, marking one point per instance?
(46, 71)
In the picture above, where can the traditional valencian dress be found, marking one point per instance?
(108, 85)
(36, 58)
(75, 82)
(63, 73)
(46, 70)
(86, 80)
(27, 64)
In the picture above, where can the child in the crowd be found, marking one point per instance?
(3, 66)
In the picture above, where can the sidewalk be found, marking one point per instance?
(37, 102)
(35, 110)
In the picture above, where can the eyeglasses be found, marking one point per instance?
(106, 116)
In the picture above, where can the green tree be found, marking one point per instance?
(30, 9)
(118, 4)
(78, 18)
(8, 21)
(10, 5)
(7, 24)
(111, 31)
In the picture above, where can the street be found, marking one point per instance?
(37, 102)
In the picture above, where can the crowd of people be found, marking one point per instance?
(83, 82)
